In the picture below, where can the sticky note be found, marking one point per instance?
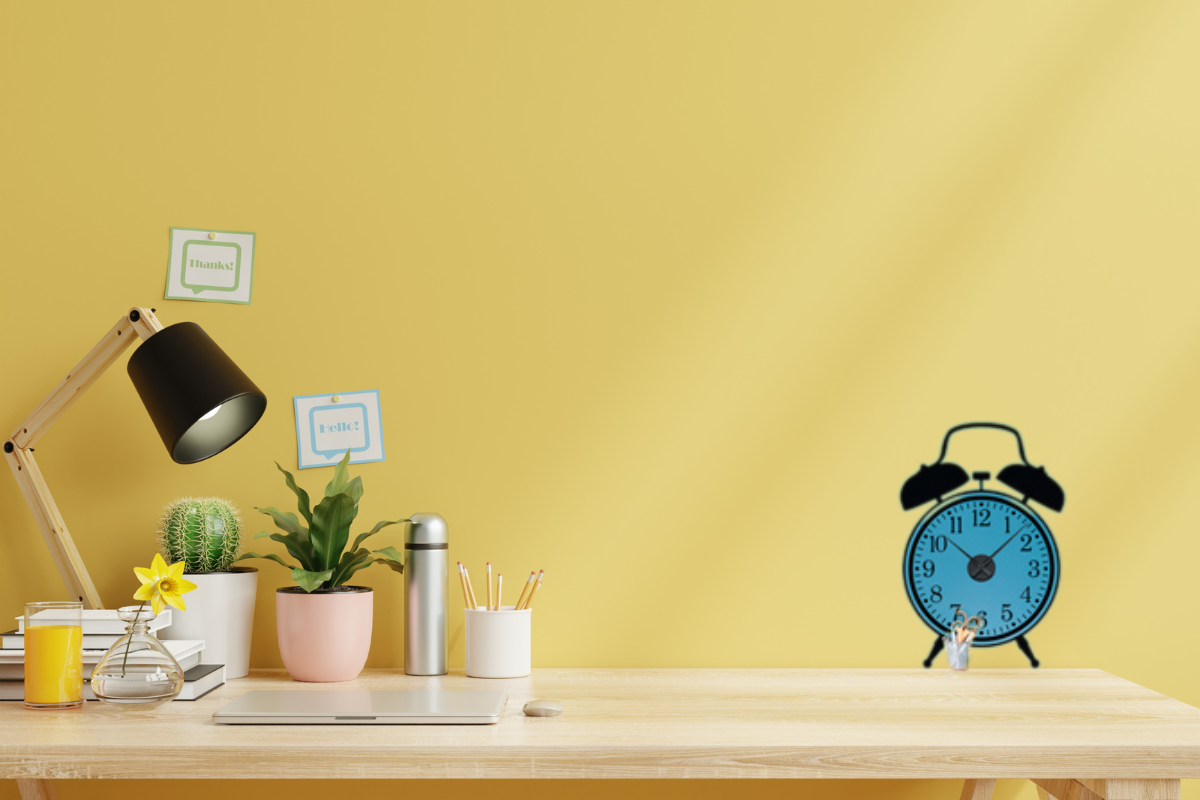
(209, 265)
(326, 429)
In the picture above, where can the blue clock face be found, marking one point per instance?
(988, 554)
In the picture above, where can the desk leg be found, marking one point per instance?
(36, 789)
(1063, 789)
(977, 789)
(1133, 788)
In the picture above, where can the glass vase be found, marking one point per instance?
(138, 671)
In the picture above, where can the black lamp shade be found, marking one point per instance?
(182, 377)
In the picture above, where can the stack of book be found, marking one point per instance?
(101, 630)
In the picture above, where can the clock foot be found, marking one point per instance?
(938, 644)
(1023, 643)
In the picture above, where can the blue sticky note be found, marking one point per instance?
(326, 428)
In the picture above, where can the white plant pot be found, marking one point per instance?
(221, 612)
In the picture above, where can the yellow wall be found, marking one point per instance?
(665, 298)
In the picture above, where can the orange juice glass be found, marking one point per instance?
(53, 655)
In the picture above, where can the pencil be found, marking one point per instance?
(524, 591)
(499, 591)
(467, 589)
(536, 586)
(470, 588)
(533, 589)
(463, 582)
(489, 586)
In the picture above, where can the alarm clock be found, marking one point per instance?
(983, 551)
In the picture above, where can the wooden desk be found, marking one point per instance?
(1070, 729)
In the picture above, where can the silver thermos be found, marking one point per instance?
(426, 579)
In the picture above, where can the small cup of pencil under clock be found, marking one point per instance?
(499, 638)
(957, 653)
(958, 641)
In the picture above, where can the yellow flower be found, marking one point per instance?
(162, 585)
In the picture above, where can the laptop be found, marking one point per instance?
(364, 707)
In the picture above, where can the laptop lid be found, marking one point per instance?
(364, 707)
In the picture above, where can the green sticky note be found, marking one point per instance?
(210, 265)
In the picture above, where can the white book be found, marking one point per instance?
(180, 648)
(199, 680)
(91, 641)
(16, 672)
(99, 620)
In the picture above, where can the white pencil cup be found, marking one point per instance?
(499, 643)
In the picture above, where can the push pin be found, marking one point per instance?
(212, 235)
(336, 398)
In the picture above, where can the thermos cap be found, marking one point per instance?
(427, 529)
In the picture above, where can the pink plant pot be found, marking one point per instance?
(324, 637)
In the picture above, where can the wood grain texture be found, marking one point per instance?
(36, 789)
(29, 477)
(52, 526)
(1122, 789)
(654, 724)
(978, 789)
(1065, 789)
(147, 324)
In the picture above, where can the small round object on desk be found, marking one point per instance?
(212, 235)
(543, 708)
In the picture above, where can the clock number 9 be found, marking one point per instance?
(928, 567)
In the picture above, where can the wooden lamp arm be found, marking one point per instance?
(18, 451)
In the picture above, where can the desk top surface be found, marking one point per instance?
(654, 724)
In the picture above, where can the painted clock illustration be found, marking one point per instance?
(984, 551)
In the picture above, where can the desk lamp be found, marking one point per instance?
(198, 399)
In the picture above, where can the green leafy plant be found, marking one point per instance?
(203, 532)
(325, 563)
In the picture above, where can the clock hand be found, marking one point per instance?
(964, 552)
(1020, 530)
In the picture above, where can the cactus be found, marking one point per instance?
(202, 532)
